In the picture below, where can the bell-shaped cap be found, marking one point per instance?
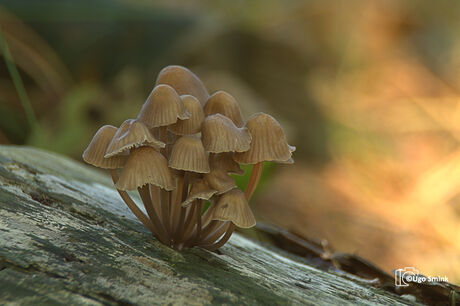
(184, 82)
(268, 141)
(200, 190)
(163, 107)
(233, 206)
(219, 134)
(188, 154)
(218, 179)
(225, 161)
(94, 153)
(145, 166)
(224, 103)
(131, 134)
(191, 125)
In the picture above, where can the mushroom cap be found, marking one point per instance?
(220, 180)
(223, 103)
(145, 166)
(188, 154)
(184, 82)
(191, 125)
(268, 141)
(94, 153)
(233, 206)
(220, 134)
(225, 161)
(162, 107)
(131, 134)
(200, 190)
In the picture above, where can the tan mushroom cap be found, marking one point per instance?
(220, 180)
(184, 82)
(233, 206)
(268, 141)
(191, 125)
(162, 107)
(220, 134)
(145, 166)
(225, 161)
(200, 190)
(131, 134)
(94, 153)
(223, 103)
(188, 154)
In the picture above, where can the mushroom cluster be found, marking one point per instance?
(179, 153)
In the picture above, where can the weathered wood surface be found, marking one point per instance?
(67, 238)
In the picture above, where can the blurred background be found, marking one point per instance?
(368, 91)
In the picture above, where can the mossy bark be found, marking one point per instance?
(67, 238)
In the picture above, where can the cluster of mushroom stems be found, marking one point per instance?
(179, 154)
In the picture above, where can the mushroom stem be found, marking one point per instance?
(222, 241)
(176, 207)
(155, 197)
(145, 196)
(165, 210)
(219, 231)
(210, 228)
(172, 202)
(179, 234)
(131, 204)
(206, 218)
(253, 180)
(199, 208)
(185, 188)
(189, 240)
(185, 227)
(189, 224)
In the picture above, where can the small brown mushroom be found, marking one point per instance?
(232, 209)
(218, 179)
(163, 107)
(191, 125)
(180, 152)
(131, 134)
(233, 206)
(94, 153)
(268, 144)
(200, 190)
(223, 103)
(145, 166)
(219, 134)
(184, 82)
(188, 154)
(225, 161)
